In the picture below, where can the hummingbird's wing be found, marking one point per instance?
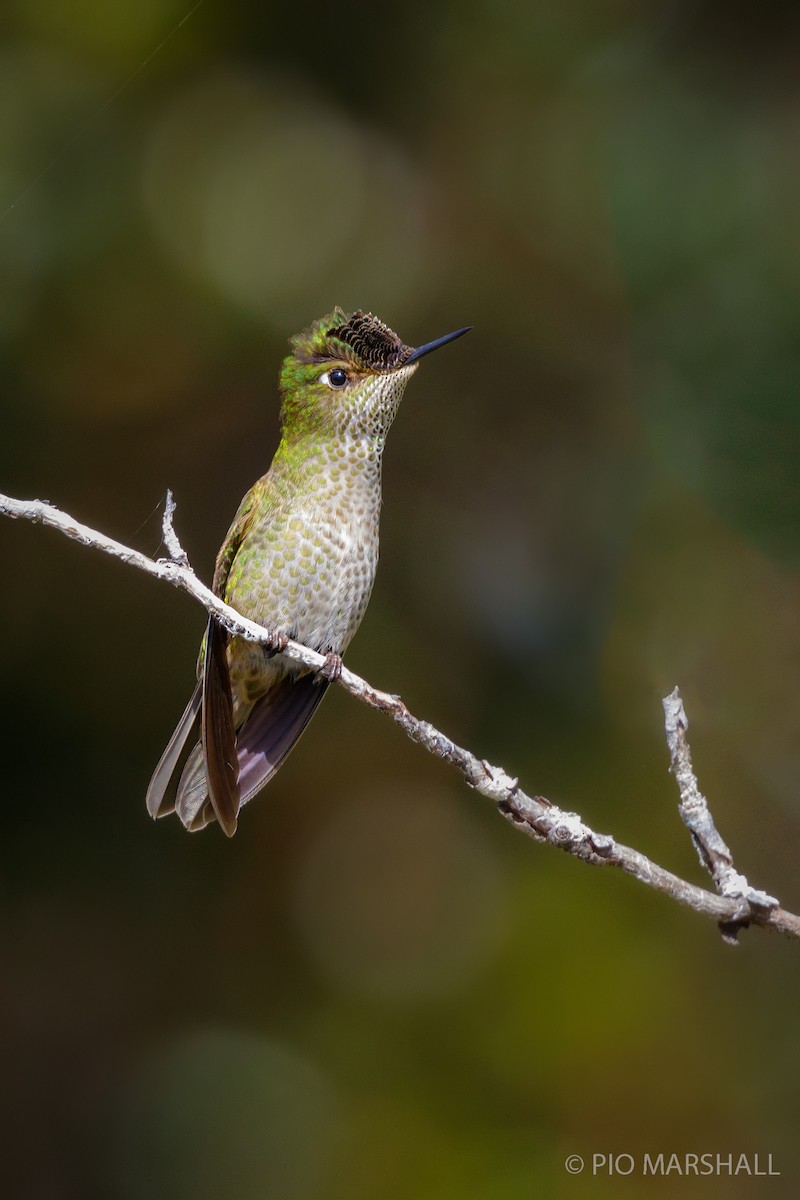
(211, 708)
(218, 734)
(271, 730)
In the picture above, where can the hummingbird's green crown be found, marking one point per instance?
(358, 338)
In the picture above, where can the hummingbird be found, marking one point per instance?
(300, 559)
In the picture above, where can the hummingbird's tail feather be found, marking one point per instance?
(192, 804)
(269, 732)
(273, 727)
(163, 785)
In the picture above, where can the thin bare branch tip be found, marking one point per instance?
(171, 541)
(675, 718)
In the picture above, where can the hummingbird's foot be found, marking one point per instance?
(331, 669)
(279, 642)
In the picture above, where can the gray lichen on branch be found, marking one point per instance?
(736, 903)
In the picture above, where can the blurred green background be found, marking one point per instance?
(379, 989)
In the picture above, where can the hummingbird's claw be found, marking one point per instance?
(279, 642)
(331, 669)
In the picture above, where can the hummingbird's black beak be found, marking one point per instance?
(415, 355)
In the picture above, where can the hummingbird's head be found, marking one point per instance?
(347, 374)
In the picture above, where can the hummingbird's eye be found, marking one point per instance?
(336, 378)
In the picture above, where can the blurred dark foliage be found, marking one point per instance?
(379, 989)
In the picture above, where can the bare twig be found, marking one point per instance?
(174, 548)
(714, 855)
(737, 904)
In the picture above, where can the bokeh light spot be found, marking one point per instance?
(274, 197)
(400, 896)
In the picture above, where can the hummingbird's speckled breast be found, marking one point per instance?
(307, 564)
